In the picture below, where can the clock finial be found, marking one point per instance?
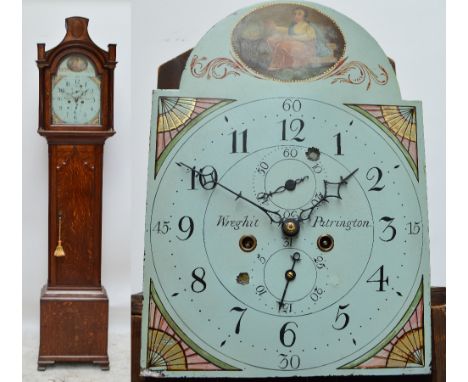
(77, 27)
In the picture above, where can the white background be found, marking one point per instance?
(412, 32)
(44, 21)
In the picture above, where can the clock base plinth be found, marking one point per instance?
(74, 327)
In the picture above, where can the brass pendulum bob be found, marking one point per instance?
(59, 252)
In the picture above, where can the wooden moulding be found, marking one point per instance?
(438, 344)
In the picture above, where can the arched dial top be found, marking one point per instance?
(269, 47)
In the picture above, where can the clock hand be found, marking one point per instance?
(274, 216)
(289, 275)
(83, 93)
(332, 190)
(289, 185)
(69, 95)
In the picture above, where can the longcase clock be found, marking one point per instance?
(76, 117)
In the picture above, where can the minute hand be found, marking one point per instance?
(274, 216)
(307, 213)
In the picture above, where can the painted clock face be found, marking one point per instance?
(286, 238)
(76, 93)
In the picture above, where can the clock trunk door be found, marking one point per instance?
(75, 184)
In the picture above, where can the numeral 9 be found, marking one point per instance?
(183, 227)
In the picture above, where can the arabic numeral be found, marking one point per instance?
(380, 278)
(414, 228)
(290, 153)
(294, 128)
(261, 259)
(389, 227)
(186, 227)
(373, 173)
(290, 214)
(291, 362)
(317, 168)
(198, 284)
(242, 312)
(316, 294)
(287, 335)
(294, 105)
(260, 290)
(319, 262)
(162, 227)
(262, 168)
(285, 307)
(287, 242)
(341, 316)
(207, 177)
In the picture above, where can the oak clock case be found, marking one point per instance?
(286, 226)
(76, 118)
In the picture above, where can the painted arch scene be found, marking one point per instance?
(288, 42)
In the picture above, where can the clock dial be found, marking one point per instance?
(76, 93)
(285, 240)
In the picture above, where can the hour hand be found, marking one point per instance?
(212, 179)
(332, 189)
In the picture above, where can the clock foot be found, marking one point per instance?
(42, 365)
(74, 326)
(103, 364)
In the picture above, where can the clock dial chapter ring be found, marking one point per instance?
(211, 265)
